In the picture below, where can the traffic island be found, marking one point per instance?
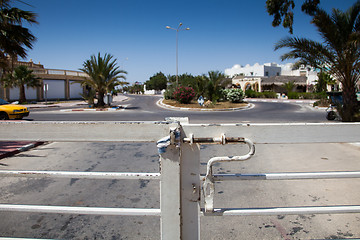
(194, 106)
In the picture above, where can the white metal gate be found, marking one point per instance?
(181, 183)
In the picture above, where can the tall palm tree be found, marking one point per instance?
(104, 75)
(14, 38)
(21, 77)
(338, 54)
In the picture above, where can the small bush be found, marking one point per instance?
(169, 93)
(252, 94)
(235, 95)
(269, 94)
(184, 94)
(293, 95)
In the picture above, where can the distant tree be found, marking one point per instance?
(157, 82)
(289, 87)
(282, 10)
(338, 55)
(214, 82)
(104, 75)
(136, 88)
(14, 38)
(323, 80)
(21, 77)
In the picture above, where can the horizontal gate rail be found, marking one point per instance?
(285, 176)
(282, 211)
(81, 175)
(280, 133)
(82, 210)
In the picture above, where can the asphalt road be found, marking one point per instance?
(144, 108)
(134, 157)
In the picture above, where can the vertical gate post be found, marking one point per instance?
(190, 191)
(170, 223)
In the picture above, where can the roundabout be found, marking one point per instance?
(173, 105)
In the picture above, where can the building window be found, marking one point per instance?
(277, 74)
(266, 74)
(252, 73)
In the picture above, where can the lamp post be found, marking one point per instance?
(177, 52)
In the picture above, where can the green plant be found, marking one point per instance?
(103, 75)
(293, 95)
(235, 95)
(184, 94)
(21, 77)
(253, 94)
(169, 93)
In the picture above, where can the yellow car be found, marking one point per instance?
(12, 111)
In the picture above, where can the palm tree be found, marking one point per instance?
(215, 81)
(339, 54)
(289, 86)
(14, 38)
(103, 75)
(20, 77)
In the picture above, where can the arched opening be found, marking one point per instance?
(247, 86)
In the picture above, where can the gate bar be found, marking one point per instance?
(285, 176)
(83, 175)
(282, 211)
(81, 210)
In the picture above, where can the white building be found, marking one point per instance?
(271, 71)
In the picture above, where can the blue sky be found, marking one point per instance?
(223, 33)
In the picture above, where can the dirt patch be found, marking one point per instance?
(194, 104)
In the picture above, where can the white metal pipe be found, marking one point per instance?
(282, 211)
(81, 210)
(285, 176)
(83, 175)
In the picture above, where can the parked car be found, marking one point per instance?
(12, 111)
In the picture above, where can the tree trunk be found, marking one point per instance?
(22, 97)
(101, 102)
(350, 109)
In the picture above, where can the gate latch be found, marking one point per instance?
(208, 186)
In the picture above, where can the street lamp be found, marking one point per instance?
(177, 54)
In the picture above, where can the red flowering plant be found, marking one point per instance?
(184, 94)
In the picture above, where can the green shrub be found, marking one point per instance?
(269, 94)
(184, 94)
(223, 95)
(293, 95)
(169, 93)
(235, 95)
(252, 94)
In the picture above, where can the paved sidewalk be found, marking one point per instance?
(8, 149)
(70, 103)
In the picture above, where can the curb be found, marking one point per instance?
(279, 100)
(163, 105)
(93, 109)
(20, 149)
